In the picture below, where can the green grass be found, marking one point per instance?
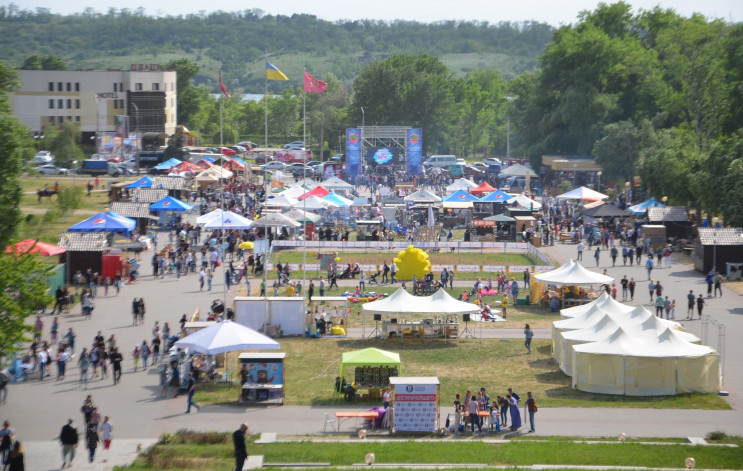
(192, 451)
(505, 363)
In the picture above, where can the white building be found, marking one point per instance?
(145, 93)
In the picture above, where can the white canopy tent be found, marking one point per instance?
(654, 366)
(517, 170)
(605, 302)
(201, 220)
(215, 171)
(525, 202)
(224, 337)
(228, 220)
(281, 201)
(403, 302)
(307, 183)
(422, 196)
(576, 275)
(294, 192)
(314, 203)
(582, 193)
(335, 183)
(460, 184)
(301, 216)
(276, 220)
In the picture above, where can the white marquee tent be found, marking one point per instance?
(422, 196)
(582, 193)
(653, 366)
(281, 201)
(460, 184)
(605, 302)
(314, 203)
(576, 275)
(402, 302)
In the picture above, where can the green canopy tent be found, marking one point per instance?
(369, 357)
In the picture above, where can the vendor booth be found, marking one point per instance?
(416, 403)
(372, 370)
(327, 316)
(284, 313)
(573, 281)
(262, 378)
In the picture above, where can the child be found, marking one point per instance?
(504, 304)
(495, 418)
(673, 309)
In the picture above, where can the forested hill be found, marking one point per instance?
(239, 40)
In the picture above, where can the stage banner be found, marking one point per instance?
(415, 407)
(353, 153)
(414, 146)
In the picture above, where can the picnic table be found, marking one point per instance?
(366, 415)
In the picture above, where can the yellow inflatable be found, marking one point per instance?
(412, 261)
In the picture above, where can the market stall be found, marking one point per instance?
(262, 375)
(372, 370)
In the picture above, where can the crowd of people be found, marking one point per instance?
(473, 409)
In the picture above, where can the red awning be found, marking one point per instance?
(483, 187)
(318, 191)
(34, 246)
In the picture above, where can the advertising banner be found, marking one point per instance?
(415, 407)
(414, 146)
(353, 152)
(110, 144)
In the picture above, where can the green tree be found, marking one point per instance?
(618, 151)
(39, 62)
(185, 70)
(64, 142)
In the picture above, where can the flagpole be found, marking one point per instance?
(221, 192)
(304, 201)
(265, 193)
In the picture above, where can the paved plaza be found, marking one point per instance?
(38, 410)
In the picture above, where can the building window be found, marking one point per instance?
(51, 86)
(116, 87)
(121, 104)
(51, 119)
(51, 103)
(155, 87)
(77, 104)
(59, 86)
(60, 119)
(68, 86)
(77, 86)
(60, 104)
(69, 118)
(121, 86)
(77, 119)
(138, 87)
(69, 104)
(116, 104)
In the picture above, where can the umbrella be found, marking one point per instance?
(228, 220)
(224, 337)
(34, 246)
(203, 219)
(247, 245)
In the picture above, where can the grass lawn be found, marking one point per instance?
(194, 450)
(313, 364)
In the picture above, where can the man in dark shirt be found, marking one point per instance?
(116, 360)
(241, 453)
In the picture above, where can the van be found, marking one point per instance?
(440, 161)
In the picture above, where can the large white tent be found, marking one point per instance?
(314, 203)
(281, 201)
(460, 184)
(652, 366)
(582, 193)
(229, 221)
(517, 170)
(402, 302)
(335, 183)
(422, 196)
(576, 275)
(605, 302)
(294, 192)
(525, 202)
(226, 336)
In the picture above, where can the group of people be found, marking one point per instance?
(470, 411)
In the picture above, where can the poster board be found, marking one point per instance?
(416, 404)
(265, 377)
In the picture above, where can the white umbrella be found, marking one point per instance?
(228, 220)
(201, 220)
(224, 337)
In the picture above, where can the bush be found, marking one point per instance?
(717, 435)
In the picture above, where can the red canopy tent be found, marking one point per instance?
(227, 151)
(186, 167)
(318, 191)
(204, 164)
(482, 188)
(34, 246)
(233, 165)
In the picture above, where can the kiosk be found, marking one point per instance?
(416, 403)
(265, 378)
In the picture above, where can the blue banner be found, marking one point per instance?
(353, 152)
(414, 146)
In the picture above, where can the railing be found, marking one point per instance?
(503, 247)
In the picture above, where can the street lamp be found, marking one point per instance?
(508, 129)
(38, 138)
(575, 170)
(714, 241)
(598, 183)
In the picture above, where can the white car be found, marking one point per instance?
(50, 169)
(298, 145)
(274, 166)
(491, 161)
(43, 157)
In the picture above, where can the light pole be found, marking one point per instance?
(508, 128)
(38, 138)
(136, 131)
(714, 247)
(598, 181)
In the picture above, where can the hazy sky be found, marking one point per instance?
(555, 12)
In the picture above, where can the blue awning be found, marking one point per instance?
(144, 182)
(461, 196)
(105, 222)
(170, 204)
(168, 164)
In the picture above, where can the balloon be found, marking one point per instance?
(412, 261)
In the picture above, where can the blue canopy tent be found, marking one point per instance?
(105, 222)
(461, 196)
(497, 196)
(642, 208)
(239, 160)
(337, 199)
(168, 164)
(144, 182)
(208, 159)
(170, 204)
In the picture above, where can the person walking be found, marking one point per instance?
(649, 266)
(202, 278)
(107, 428)
(241, 452)
(659, 304)
(69, 438)
(718, 283)
(581, 246)
(710, 279)
(116, 360)
(473, 408)
(690, 307)
(700, 305)
(651, 290)
(632, 285)
(91, 441)
(191, 388)
(530, 406)
(83, 364)
(614, 253)
(362, 281)
(451, 279)
(597, 254)
(528, 334)
(209, 276)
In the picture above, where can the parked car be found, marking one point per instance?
(337, 158)
(274, 166)
(298, 169)
(491, 161)
(262, 159)
(295, 145)
(43, 157)
(469, 170)
(480, 166)
(50, 169)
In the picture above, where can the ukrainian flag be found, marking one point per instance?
(273, 73)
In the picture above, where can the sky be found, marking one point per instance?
(554, 12)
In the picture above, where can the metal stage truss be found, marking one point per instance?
(385, 136)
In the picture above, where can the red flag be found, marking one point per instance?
(221, 85)
(312, 85)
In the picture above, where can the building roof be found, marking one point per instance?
(84, 241)
(721, 236)
(169, 183)
(148, 195)
(131, 210)
(668, 213)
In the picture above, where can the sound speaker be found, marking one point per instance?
(393, 320)
(377, 317)
(466, 317)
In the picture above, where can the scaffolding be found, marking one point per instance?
(385, 136)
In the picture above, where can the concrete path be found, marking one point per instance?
(39, 409)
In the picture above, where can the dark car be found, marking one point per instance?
(262, 159)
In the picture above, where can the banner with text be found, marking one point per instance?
(353, 153)
(414, 146)
(415, 407)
